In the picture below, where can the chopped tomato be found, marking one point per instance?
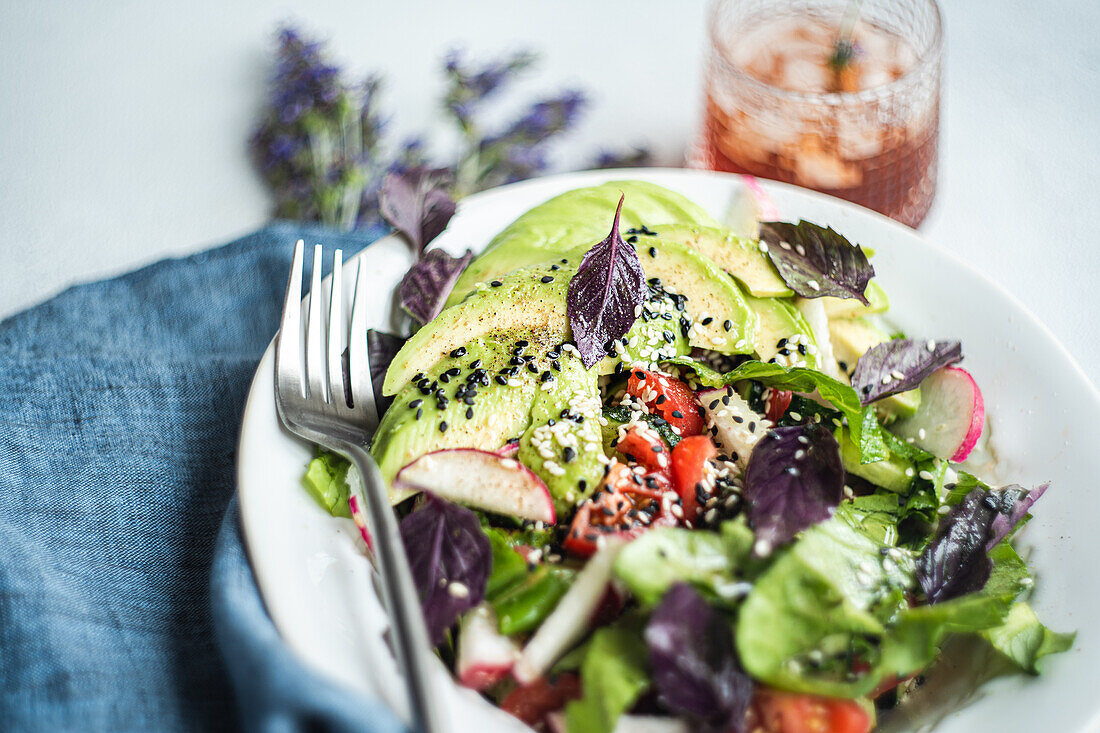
(668, 398)
(531, 702)
(788, 712)
(625, 506)
(643, 446)
(689, 470)
(778, 402)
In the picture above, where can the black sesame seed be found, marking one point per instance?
(551, 422)
(545, 376)
(666, 316)
(657, 448)
(738, 419)
(707, 321)
(802, 349)
(556, 365)
(453, 372)
(516, 360)
(555, 268)
(442, 426)
(668, 337)
(416, 403)
(419, 413)
(632, 239)
(726, 400)
(460, 351)
(547, 278)
(714, 404)
(640, 375)
(781, 343)
(582, 484)
(469, 413)
(619, 368)
(568, 454)
(661, 399)
(500, 380)
(496, 283)
(475, 363)
(785, 351)
(469, 399)
(564, 261)
(533, 367)
(652, 251)
(444, 377)
(677, 414)
(727, 324)
(752, 426)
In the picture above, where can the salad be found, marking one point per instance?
(656, 470)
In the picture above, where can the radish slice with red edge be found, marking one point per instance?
(950, 417)
(484, 656)
(480, 479)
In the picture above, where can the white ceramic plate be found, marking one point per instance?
(1042, 408)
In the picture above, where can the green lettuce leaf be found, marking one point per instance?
(326, 481)
(652, 563)
(822, 604)
(1024, 640)
(614, 675)
(864, 426)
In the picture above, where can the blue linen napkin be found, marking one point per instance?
(126, 599)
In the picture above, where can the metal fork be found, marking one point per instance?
(329, 401)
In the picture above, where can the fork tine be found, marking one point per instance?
(288, 348)
(358, 354)
(337, 332)
(315, 333)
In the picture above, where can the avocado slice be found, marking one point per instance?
(411, 426)
(852, 308)
(851, 338)
(740, 257)
(893, 474)
(722, 318)
(522, 303)
(508, 400)
(564, 442)
(567, 225)
(779, 320)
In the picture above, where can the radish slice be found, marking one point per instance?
(485, 655)
(813, 310)
(570, 619)
(649, 724)
(480, 479)
(508, 450)
(950, 417)
(749, 207)
(735, 426)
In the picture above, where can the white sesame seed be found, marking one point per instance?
(931, 345)
(944, 509)
(458, 590)
(926, 475)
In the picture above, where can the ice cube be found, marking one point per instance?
(805, 75)
(816, 167)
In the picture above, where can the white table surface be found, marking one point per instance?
(123, 125)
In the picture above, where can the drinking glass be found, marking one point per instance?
(841, 97)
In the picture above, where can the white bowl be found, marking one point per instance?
(1043, 419)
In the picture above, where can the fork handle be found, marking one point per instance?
(410, 635)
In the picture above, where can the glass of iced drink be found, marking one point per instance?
(838, 96)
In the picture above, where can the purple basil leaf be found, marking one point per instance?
(609, 285)
(912, 360)
(428, 283)
(695, 666)
(815, 261)
(416, 202)
(1015, 503)
(956, 561)
(450, 559)
(381, 348)
(794, 479)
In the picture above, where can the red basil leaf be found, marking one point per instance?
(428, 283)
(815, 261)
(900, 365)
(381, 348)
(695, 666)
(794, 479)
(450, 559)
(956, 561)
(417, 204)
(604, 294)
